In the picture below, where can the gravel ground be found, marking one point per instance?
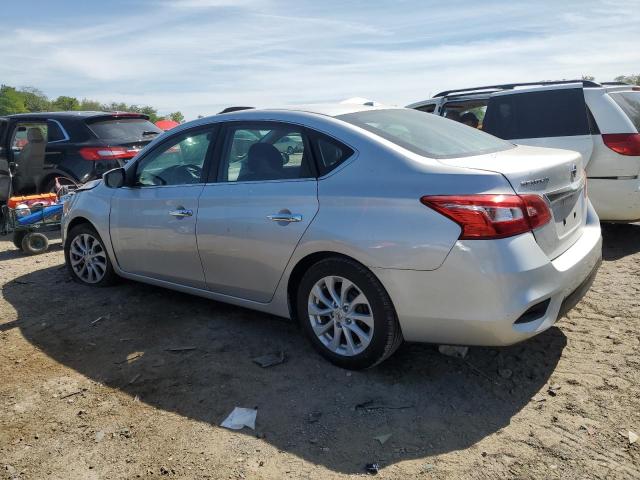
(90, 389)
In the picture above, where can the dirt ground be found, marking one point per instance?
(90, 389)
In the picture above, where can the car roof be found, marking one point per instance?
(74, 114)
(327, 109)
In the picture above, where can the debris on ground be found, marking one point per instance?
(372, 468)
(505, 372)
(553, 389)
(99, 436)
(313, 417)
(383, 438)
(99, 319)
(270, 359)
(379, 405)
(239, 418)
(180, 349)
(453, 351)
(631, 436)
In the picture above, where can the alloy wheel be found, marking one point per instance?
(88, 258)
(340, 315)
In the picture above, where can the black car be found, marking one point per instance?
(38, 148)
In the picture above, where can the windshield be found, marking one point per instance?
(426, 134)
(629, 102)
(124, 129)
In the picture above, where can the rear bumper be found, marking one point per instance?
(616, 200)
(484, 287)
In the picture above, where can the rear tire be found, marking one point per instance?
(347, 314)
(35, 243)
(87, 259)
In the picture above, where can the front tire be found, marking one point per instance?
(347, 314)
(87, 259)
(35, 243)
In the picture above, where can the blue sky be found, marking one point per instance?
(199, 56)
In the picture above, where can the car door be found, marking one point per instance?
(554, 116)
(153, 219)
(5, 173)
(256, 208)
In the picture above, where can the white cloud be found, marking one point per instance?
(199, 56)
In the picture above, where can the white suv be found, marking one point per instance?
(601, 121)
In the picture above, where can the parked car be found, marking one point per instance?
(390, 225)
(601, 121)
(75, 146)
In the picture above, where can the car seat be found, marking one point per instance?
(264, 162)
(30, 162)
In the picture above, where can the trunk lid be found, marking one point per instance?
(557, 175)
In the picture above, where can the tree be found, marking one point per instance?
(90, 105)
(66, 103)
(11, 101)
(176, 117)
(35, 100)
(632, 79)
(590, 78)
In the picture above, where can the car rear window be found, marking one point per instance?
(124, 129)
(629, 102)
(427, 135)
(548, 113)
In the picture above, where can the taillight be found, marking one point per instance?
(106, 153)
(484, 217)
(623, 143)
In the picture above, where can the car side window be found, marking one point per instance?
(429, 108)
(265, 151)
(330, 153)
(54, 132)
(548, 113)
(26, 133)
(176, 162)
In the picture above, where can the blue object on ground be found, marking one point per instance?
(45, 213)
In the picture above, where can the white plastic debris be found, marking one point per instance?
(632, 436)
(239, 418)
(453, 351)
(383, 438)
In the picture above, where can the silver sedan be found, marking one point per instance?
(385, 224)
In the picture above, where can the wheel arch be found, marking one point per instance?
(303, 265)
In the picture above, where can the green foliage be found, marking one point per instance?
(65, 104)
(11, 101)
(176, 117)
(30, 99)
(632, 79)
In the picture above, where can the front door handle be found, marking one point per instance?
(181, 212)
(285, 217)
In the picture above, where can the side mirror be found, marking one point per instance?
(114, 178)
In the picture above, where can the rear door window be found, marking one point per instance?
(629, 102)
(547, 113)
(124, 129)
(55, 132)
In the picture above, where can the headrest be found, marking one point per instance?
(264, 156)
(34, 135)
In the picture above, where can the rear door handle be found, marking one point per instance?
(181, 212)
(285, 217)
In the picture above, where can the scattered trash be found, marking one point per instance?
(383, 438)
(539, 398)
(180, 349)
(99, 436)
(270, 359)
(378, 405)
(632, 436)
(505, 372)
(11, 470)
(72, 394)
(313, 417)
(99, 319)
(372, 468)
(130, 358)
(453, 351)
(427, 467)
(239, 418)
(553, 389)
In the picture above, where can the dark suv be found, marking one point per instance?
(38, 148)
